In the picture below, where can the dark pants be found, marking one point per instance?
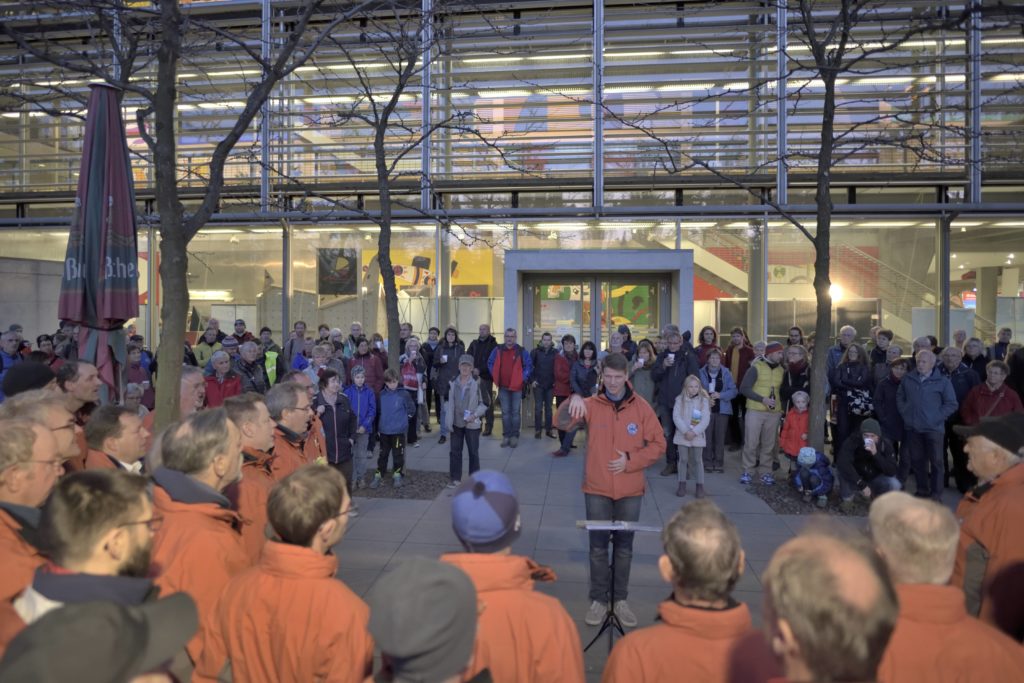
(846, 423)
(879, 485)
(346, 471)
(412, 434)
(487, 392)
(559, 400)
(394, 445)
(432, 397)
(925, 451)
(542, 407)
(668, 426)
(954, 443)
(734, 435)
(604, 508)
(714, 452)
(471, 437)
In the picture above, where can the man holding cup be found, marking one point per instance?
(671, 368)
(867, 464)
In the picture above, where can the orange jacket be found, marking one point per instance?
(633, 429)
(18, 558)
(990, 556)
(289, 619)
(689, 644)
(292, 452)
(525, 635)
(791, 437)
(935, 640)
(288, 455)
(77, 463)
(197, 549)
(249, 498)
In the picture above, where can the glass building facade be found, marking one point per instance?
(562, 127)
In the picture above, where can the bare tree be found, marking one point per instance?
(143, 51)
(829, 44)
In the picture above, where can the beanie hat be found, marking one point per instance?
(26, 376)
(806, 457)
(485, 512)
(870, 426)
(423, 616)
(229, 341)
(623, 329)
(466, 359)
(773, 347)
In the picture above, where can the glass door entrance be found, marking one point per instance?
(592, 306)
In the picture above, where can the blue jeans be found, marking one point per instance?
(441, 421)
(511, 402)
(879, 485)
(604, 508)
(542, 408)
(926, 455)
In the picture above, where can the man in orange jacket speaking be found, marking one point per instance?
(624, 437)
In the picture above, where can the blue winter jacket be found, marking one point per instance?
(887, 411)
(364, 405)
(729, 390)
(926, 402)
(821, 471)
(396, 409)
(582, 380)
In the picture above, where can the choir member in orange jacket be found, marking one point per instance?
(198, 547)
(288, 618)
(249, 495)
(29, 467)
(701, 624)
(294, 442)
(935, 640)
(524, 635)
(990, 556)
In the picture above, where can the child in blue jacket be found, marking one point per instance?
(396, 409)
(364, 405)
(813, 476)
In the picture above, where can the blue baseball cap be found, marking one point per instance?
(485, 512)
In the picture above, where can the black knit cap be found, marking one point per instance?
(26, 376)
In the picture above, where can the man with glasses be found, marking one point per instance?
(291, 408)
(29, 468)
(306, 624)
(198, 548)
(511, 367)
(98, 530)
(49, 410)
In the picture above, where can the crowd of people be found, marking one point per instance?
(206, 551)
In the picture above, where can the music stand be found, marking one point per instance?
(611, 622)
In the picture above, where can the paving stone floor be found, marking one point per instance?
(386, 532)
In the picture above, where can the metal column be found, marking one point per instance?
(264, 133)
(782, 122)
(942, 272)
(287, 286)
(974, 105)
(598, 88)
(757, 279)
(427, 39)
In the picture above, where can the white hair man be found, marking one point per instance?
(935, 639)
(990, 556)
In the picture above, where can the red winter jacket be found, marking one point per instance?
(981, 402)
(563, 368)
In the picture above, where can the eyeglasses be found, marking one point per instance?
(69, 425)
(153, 523)
(55, 464)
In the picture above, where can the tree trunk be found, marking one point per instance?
(822, 281)
(173, 242)
(387, 271)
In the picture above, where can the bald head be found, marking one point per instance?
(916, 538)
(830, 609)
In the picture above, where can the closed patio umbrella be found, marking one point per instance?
(99, 287)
